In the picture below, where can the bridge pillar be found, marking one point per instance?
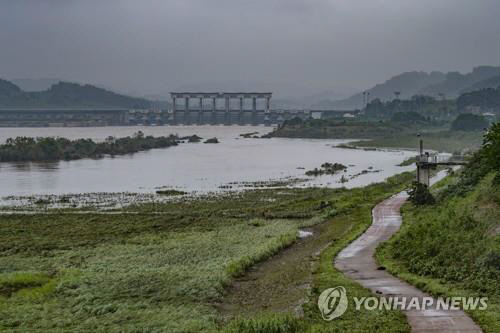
(254, 110)
(240, 115)
(267, 112)
(214, 111)
(187, 121)
(174, 111)
(226, 111)
(200, 112)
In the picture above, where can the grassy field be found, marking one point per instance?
(443, 141)
(337, 129)
(164, 267)
(268, 285)
(136, 271)
(453, 250)
(383, 134)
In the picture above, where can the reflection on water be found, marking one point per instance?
(28, 166)
(193, 166)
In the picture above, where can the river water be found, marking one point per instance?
(234, 163)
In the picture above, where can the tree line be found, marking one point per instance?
(53, 149)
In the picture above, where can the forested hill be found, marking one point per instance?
(66, 94)
(456, 83)
(435, 84)
(408, 84)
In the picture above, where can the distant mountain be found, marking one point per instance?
(66, 94)
(488, 100)
(8, 89)
(451, 85)
(408, 84)
(493, 82)
(314, 101)
(35, 84)
(455, 82)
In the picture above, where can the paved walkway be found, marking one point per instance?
(357, 262)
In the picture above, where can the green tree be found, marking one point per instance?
(420, 194)
(469, 122)
(491, 148)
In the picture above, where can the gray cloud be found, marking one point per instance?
(283, 45)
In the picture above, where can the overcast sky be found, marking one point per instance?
(152, 46)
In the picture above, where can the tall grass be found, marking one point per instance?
(156, 272)
(268, 323)
(160, 272)
(452, 248)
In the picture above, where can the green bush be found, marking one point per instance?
(491, 148)
(420, 194)
(469, 122)
(53, 149)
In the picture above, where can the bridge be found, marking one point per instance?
(221, 108)
(235, 108)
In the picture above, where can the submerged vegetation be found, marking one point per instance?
(163, 266)
(171, 192)
(53, 149)
(192, 138)
(211, 140)
(326, 169)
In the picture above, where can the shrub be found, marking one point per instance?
(408, 117)
(420, 195)
(491, 148)
(469, 122)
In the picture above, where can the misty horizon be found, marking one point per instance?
(293, 48)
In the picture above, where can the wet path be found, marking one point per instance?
(282, 283)
(357, 262)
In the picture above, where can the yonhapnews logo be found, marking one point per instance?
(332, 303)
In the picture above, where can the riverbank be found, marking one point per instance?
(442, 141)
(231, 262)
(383, 134)
(335, 129)
(165, 266)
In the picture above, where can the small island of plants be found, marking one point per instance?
(23, 149)
(326, 169)
(212, 140)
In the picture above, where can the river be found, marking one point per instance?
(235, 163)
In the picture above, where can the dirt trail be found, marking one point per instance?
(281, 283)
(357, 262)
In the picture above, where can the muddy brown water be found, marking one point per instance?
(192, 167)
